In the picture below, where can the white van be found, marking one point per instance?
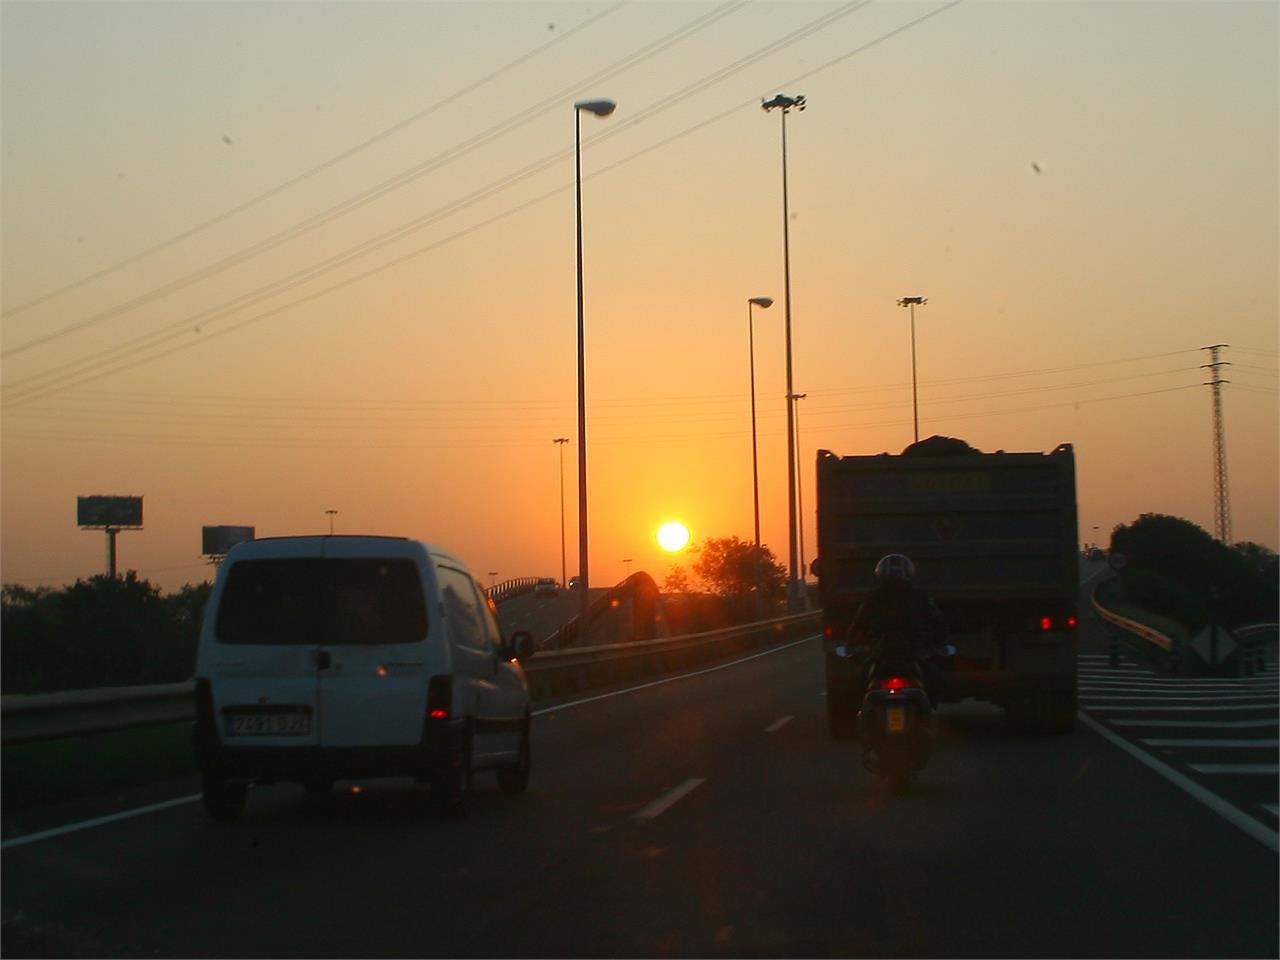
(331, 658)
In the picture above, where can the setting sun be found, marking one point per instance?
(673, 536)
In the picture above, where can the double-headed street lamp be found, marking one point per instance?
(784, 105)
(560, 442)
(912, 302)
(601, 108)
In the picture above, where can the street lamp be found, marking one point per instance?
(784, 105)
(331, 514)
(564, 579)
(912, 302)
(796, 398)
(764, 302)
(627, 561)
(601, 108)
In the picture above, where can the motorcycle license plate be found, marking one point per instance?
(895, 718)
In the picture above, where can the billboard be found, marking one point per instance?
(109, 511)
(217, 541)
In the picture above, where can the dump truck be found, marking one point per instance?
(994, 540)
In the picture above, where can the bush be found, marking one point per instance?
(101, 632)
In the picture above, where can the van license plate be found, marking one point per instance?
(895, 719)
(269, 725)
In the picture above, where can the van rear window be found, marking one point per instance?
(322, 602)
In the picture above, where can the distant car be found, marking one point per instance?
(546, 587)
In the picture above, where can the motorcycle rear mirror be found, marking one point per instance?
(948, 649)
(842, 650)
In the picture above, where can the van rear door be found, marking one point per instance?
(264, 665)
(372, 688)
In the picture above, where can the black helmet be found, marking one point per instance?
(895, 566)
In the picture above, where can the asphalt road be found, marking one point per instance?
(710, 816)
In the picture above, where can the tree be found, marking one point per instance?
(1179, 569)
(677, 580)
(731, 568)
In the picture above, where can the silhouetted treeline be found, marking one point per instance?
(98, 633)
(1177, 569)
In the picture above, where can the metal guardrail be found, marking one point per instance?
(79, 713)
(1172, 647)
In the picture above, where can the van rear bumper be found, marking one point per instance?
(440, 746)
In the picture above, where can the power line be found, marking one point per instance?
(392, 183)
(318, 168)
(45, 389)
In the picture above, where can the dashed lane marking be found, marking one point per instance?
(669, 799)
(778, 724)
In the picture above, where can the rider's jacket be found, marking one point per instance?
(898, 619)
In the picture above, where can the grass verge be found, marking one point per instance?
(56, 770)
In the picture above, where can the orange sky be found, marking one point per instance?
(264, 260)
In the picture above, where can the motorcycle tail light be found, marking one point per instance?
(894, 683)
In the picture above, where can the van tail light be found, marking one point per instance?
(894, 683)
(439, 697)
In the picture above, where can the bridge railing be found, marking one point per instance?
(79, 713)
(511, 588)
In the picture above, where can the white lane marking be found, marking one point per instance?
(669, 799)
(683, 676)
(1199, 724)
(1253, 683)
(96, 822)
(1254, 698)
(1236, 817)
(778, 724)
(1131, 708)
(1210, 742)
(1237, 769)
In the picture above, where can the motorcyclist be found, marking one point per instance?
(899, 619)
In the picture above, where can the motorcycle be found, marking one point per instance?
(897, 720)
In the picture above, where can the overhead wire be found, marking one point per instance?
(318, 168)
(455, 152)
(41, 390)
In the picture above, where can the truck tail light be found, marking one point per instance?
(1060, 623)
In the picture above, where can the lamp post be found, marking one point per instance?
(601, 108)
(627, 561)
(764, 302)
(784, 105)
(332, 514)
(564, 578)
(915, 411)
(795, 399)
